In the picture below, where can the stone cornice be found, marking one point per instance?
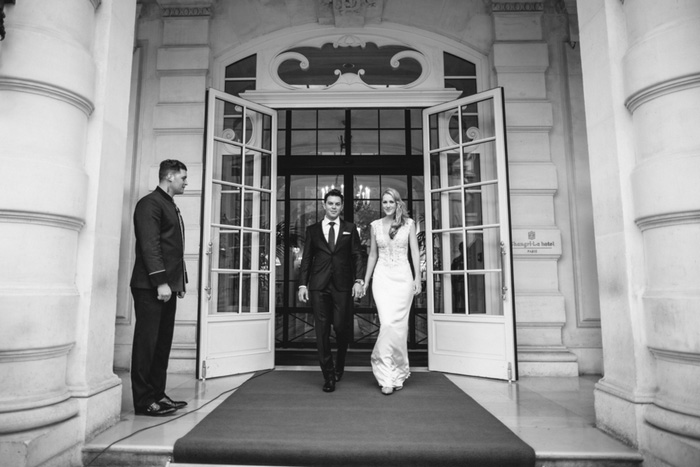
(170, 12)
(47, 90)
(52, 220)
(517, 7)
(353, 98)
(668, 219)
(660, 89)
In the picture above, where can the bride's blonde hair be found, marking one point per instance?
(401, 213)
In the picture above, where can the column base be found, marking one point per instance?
(56, 446)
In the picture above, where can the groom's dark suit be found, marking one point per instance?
(329, 276)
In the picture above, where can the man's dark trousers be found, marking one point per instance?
(332, 307)
(153, 337)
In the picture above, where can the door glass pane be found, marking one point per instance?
(258, 169)
(303, 119)
(365, 118)
(392, 142)
(257, 296)
(392, 118)
(256, 209)
(230, 163)
(228, 287)
(230, 202)
(331, 118)
(303, 143)
(364, 142)
(397, 182)
(229, 249)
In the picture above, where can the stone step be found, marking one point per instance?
(116, 457)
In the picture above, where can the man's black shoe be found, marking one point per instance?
(168, 402)
(329, 385)
(339, 375)
(156, 410)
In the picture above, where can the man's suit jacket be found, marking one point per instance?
(320, 265)
(159, 243)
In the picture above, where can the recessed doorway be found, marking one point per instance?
(361, 152)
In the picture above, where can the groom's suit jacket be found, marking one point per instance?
(320, 265)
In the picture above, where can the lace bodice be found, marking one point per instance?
(391, 252)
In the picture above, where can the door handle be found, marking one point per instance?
(208, 287)
(504, 288)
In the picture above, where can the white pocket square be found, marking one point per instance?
(346, 233)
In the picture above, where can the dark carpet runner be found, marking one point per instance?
(283, 418)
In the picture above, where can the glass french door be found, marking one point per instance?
(298, 206)
(236, 303)
(471, 315)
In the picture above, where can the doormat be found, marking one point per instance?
(282, 418)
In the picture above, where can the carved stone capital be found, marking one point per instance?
(350, 13)
(172, 11)
(517, 7)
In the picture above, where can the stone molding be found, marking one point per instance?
(661, 89)
(40, 353)
(42, 218)
(676, 356)
(668, 220)
(672, 421)
(16, 421)
(84, 391)
(517, 7)
(335, 98)
(47, 90)
(635, 397)
(175, 12)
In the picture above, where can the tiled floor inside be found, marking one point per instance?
(554, 415)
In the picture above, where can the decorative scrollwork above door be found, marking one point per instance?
(350, 61)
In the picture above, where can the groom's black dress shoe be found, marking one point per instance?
(339, 375)
(168, 402)
(329, 385)
(156, 410)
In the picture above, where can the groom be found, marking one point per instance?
(331, 272)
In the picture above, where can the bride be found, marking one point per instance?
(393, 286)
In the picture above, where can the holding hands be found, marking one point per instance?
(358, 290)
(416, 287)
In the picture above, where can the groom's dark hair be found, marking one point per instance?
(334, 192)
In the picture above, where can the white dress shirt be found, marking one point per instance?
(325, 225)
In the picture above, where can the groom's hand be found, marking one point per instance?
(357, 291)
(303, 294)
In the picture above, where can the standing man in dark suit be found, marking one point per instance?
(331, 276)
(158, 279)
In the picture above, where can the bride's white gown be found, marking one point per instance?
(392, 286)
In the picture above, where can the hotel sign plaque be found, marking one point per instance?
(536, 242)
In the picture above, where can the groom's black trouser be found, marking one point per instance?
(332, 307)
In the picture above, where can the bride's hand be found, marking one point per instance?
(416, 287)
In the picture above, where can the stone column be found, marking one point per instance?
(521, 60)
(60, 133)
(641, 63)
(661, 71)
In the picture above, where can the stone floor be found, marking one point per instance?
(554, 415)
